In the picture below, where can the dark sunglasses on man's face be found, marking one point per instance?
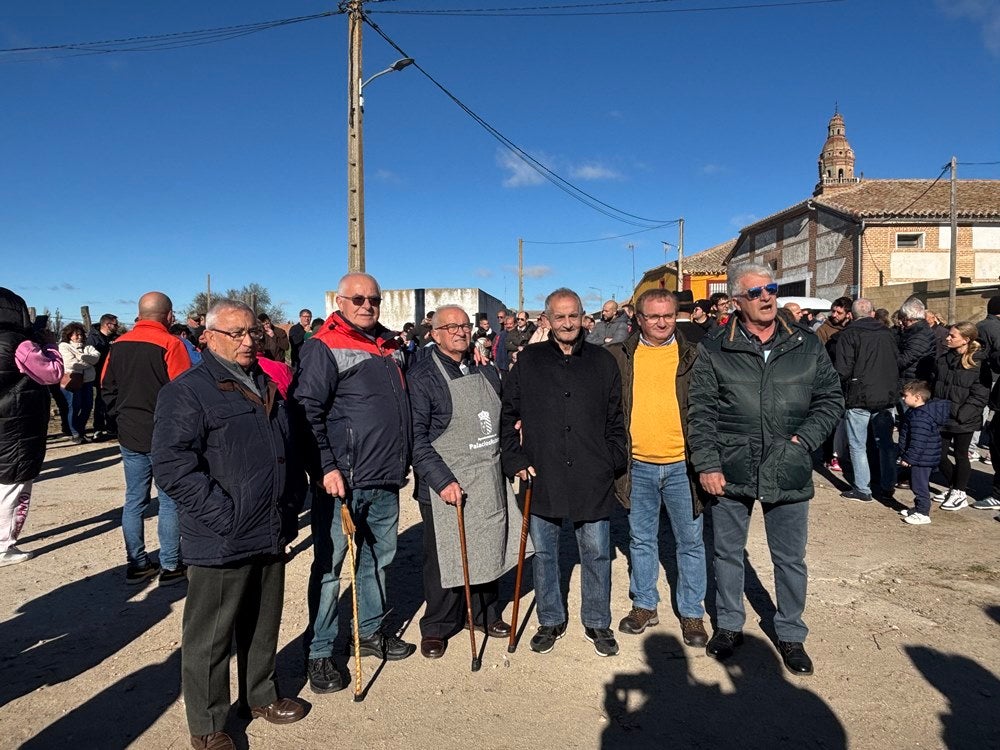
(359, 299)
(754, 292)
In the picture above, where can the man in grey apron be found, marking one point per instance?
(455, 406)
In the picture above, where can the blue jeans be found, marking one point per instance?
(138, 482)
(593, 540)
(376, 519)
(857, 421)
(666, 484)
(79, 405)
(786, 526)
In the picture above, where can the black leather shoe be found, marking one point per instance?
(432, 648)
(324, 677)
(213, 741)
(498, 629)
(723, 643)
(795, 657)
(386, 647)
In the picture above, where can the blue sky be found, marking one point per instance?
(123, 173)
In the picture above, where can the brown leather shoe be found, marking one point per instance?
(213, 741)
(693, 631)
(282, 711)
(432, 648)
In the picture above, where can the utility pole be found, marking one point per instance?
(953, 266)
(680, 254)
(355, 152)
(631, 248)
(208, 293)
(520, 274)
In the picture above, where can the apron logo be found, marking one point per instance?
(485, 424)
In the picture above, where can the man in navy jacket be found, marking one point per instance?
(222, 449)
(350, 386)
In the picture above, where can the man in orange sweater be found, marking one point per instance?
(655, 363)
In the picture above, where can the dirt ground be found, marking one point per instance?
(904, 625)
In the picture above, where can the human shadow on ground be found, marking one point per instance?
(83, 462)
(764, 710)
(120, 713)
(93, 526)
(74, 628)
(971, 690)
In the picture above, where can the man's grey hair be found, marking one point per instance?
(225, 305)
(862, 308)
(735, 274)
(559, 294)
(653, 295)
(913, 309)
(342, 284)
(450, 306)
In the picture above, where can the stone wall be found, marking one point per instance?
(970, 301)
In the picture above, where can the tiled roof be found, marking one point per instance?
(710, 261)
(916, 199)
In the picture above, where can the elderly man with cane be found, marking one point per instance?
(455, 405)
(350, 385)
(567, 396)
(222, 449)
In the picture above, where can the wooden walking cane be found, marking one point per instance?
(476, 661)
(347, 524)
(512, 644)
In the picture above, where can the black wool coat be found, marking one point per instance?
(968, 390)
(570, 409)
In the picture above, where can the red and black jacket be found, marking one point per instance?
(139, 364)
(350, 386)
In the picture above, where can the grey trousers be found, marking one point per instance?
(241, 604)
(786, 525)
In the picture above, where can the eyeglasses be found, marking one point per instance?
(455, 327)
(658, 318)
(754, 292)
(254, 333)
(359, 299)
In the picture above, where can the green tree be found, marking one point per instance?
(254, 294)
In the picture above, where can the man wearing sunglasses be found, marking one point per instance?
(763, 395)
(350, 385)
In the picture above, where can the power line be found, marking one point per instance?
(602, 239)
(978, 163)
(944, 169)
(158, 42)
(548, 10)
(567, 187)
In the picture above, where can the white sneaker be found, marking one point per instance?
(956, 501)
(940, 496)
(13, 556)
(906, 511)
(916, 519)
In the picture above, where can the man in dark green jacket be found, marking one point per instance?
(763, 396)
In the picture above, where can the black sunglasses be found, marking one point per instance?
(359, 299)
(754, 292)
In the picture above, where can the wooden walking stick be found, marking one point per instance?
(512, 644)
(347, 523)
(476, 661)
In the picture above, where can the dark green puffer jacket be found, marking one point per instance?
(743, 411)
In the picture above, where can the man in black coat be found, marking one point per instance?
(918, 347)
(297, 333)
(866, 361)
(100, 337)
(222, 449)
(566, 395)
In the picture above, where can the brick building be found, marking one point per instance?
(855, 236)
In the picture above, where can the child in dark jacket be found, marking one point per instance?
(920, 445)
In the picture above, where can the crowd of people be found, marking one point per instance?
(720, 404)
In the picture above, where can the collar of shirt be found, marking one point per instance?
(453, 368)
(668, 342)
(764, 346)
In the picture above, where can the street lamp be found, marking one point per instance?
(355, 148)
(600, 293)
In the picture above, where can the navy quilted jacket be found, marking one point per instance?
(920, 433)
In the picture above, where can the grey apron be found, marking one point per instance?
(470, 446)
